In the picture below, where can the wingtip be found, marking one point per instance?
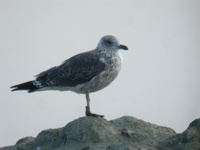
(13, 88)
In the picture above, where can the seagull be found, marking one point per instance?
(83, 73)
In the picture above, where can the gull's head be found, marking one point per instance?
(110, 42)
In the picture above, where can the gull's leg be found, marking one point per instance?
(88, 105)
(88, 112)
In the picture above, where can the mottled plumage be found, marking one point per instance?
(75, 71)
(83, 73)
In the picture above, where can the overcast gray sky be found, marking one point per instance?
(159, 81)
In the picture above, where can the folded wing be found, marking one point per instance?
(76, 70)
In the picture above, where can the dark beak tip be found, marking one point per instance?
(124, 47)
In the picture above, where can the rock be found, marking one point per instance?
(125, 133)
(188, 140)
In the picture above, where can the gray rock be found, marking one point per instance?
(125, 133)
(188, 140)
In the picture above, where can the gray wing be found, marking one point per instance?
(76, 70)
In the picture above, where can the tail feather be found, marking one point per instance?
(29, 86)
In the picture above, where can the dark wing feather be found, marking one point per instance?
(76, 70)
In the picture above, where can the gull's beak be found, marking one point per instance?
(123, 47)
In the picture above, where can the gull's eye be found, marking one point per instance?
(109, 42)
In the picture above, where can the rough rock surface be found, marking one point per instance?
(125, 133)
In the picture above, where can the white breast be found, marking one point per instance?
(120, 56)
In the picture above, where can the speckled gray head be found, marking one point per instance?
(110, 42)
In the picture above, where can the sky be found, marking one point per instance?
(159, 81)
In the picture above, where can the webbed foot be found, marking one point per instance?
(88, 113)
